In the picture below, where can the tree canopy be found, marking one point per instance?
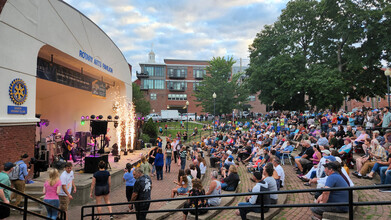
(230, 92)
(142, 105)
(319, 52)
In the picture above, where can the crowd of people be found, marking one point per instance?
(328, 145)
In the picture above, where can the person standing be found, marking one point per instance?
(130, 180)
(145, 166)
(17, 177)
(151, 159)
(386, 122)
(182, 156)
(141, 191)
(67, 183)
(51, 189)
(68, 146)
(214, 189)
(174, 150)
(168, 157)
(159, 163)
(5, 193)
(101, 183)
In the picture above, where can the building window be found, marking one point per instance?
(177, 85)
(159, 71)
(251, 98)
(159, 84)
(177, 97)
(199, 73)
(177, 72)
(148, 84)
(149, 70)
(153, 96)
(196, 85)
(368, 99)
(378, 99)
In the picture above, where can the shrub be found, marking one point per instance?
(145, 138)
(150, 129)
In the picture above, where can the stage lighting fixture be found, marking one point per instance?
(109, 117)
(92, 117)
(116, 117)
(100, 116)
(82, 122)
(87, 117)
(115, 124)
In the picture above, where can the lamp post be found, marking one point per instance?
(214, 109)
(388, 73)
(187, 118)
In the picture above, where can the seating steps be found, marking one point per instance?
(340, 216)
(282, 198)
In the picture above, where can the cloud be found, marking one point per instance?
(181, 29)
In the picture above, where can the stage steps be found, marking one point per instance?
(35, 190)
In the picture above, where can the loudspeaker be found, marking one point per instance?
(91, 163)
(98, 128)
(84, 138)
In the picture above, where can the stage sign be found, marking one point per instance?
(99, 88)
(59, 74)
(17, 110)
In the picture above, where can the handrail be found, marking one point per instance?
(62, 214)
(350, 202)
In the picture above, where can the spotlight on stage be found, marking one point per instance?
(116, 124)
(109, 117)
(87, 117)
(100, 116)
(92, 117)
(116, 117)
(82, 120)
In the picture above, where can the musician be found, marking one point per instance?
(68, 143)
(107, 139)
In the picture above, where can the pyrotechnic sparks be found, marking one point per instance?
(126, 123)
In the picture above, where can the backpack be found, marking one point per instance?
(15, 173)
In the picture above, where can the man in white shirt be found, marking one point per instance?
(280, 171)
(67, 182)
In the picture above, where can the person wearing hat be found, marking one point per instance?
(5, 193)
(260, 185)
(317, 171)
(19, 183)
(334, 179)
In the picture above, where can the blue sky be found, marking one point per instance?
(181, 29)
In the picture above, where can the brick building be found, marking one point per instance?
(170, 84)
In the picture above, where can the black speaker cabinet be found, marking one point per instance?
(91, 163)
(98, 127)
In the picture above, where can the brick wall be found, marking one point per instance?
(15, 141)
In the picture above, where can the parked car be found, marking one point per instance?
(170, 115)
(191, 116)
(155, 117)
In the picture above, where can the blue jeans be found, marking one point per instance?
(224, 186)
(52, 213)
(183, 163)
(153, 169)
(377, 166)
(385, 176)
(168, 164)
(244, 211)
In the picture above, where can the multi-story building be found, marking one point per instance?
(170, 84)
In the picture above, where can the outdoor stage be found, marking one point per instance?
(83, 180)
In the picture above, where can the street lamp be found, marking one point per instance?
(388, 73)
(214, 109)
(187, 116)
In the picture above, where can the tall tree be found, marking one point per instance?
(142, 105)
(229, 91)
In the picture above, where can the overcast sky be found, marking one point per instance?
(181, 29)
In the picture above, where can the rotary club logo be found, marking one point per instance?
(18, 91)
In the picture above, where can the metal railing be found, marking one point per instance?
(262, 206)
(61, 214)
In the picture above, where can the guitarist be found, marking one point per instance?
(68, 146)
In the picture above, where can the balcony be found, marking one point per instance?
(142, 75)
(177, 89)
(176, 75)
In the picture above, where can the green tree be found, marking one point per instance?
(142, 105)
(322, 51)
(229, 91)
(150, 129)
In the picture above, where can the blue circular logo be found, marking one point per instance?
(18, 91)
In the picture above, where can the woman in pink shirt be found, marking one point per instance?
(51, 189)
